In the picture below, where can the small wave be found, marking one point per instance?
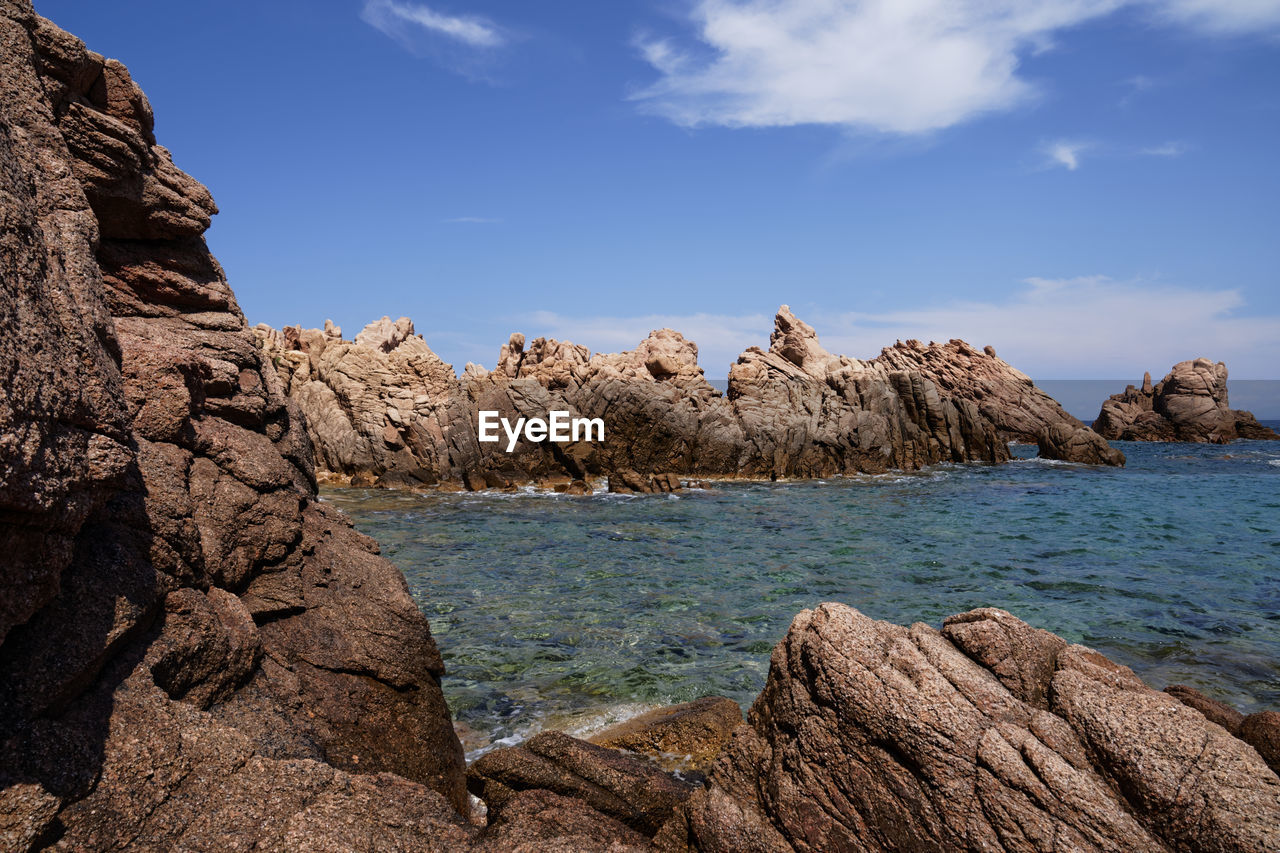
(1275, 462)
(1057, 463)
(582, 723)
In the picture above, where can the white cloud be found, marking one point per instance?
(391, 18)
(1077, 328)
(1086, 327)
(1065, 153)
(888, 66)
(1222, 17)
(1168, 149)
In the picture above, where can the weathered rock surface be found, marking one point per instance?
(685, 737)
(989, 735)
(1214, 711)
(194, 652)
(1190, 404)
(1262, 732)
(386, 406)
(1005, 396)
(630, 791)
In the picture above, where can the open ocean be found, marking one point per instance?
(573, 611)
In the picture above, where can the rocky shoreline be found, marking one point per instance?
(196, 654)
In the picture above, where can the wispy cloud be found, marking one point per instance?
(884, 66)
(401, 20)
(1072, 328)
(1168, 149)
(1090, 326)
(1064, 153)
(471, 220)
(1135, 86)
(1221, 17)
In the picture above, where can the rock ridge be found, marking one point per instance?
(387, 409)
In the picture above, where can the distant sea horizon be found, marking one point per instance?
(1083, 398)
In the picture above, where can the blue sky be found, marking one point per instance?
(1091, 186)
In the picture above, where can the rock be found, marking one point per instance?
(629, 482)
(539, 821)
(573, 487)
(988, 736)
(386, 403)
(1071, 443)
(194, 653)
(1214, 711)
(1190, 404)
(384, 335)
(1262, 732)
(631, 791)
(684, 737)
(1004, 395)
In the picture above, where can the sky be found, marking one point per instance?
(1090, 186)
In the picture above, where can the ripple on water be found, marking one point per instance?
(566, 611)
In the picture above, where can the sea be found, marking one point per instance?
(554, 611)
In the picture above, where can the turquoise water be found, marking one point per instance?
(550, 608)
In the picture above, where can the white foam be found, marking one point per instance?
(580, 724)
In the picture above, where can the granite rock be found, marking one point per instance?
(386, 406)
(193, 652)
(1189, 404)
(989, 735)
(610, 782)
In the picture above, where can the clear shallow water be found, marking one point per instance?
(566, 610)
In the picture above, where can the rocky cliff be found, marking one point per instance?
(385, 407)
(194, 652)
(1190, 404)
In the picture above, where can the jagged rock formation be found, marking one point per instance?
(388, 407)
(1005, 396)
(1190, 404)
(989, 735)
(194, 652)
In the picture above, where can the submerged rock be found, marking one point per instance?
(685, 737)
(1190, 404)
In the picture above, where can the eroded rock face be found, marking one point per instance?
(388, 408)
(1190, 404)
(195, 653)
(988, 735)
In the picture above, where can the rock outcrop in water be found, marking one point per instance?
(1190, 404)
(386, 406)
(1005, 396)
(194, 652)
(989, 735)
